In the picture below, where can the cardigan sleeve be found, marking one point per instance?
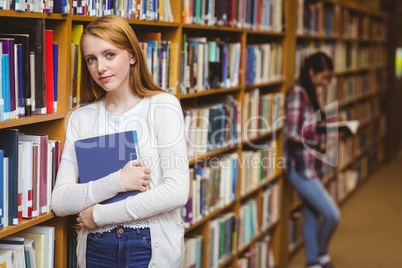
(166, 124)
(70, 197)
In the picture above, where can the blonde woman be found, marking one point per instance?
(144, 230)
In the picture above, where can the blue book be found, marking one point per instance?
(21, 82)
(1, 188)
(9, 143)
(100, 156)
(55, 74)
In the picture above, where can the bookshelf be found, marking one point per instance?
(355, 35)
(288, 38)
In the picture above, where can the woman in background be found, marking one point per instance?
(321, 214)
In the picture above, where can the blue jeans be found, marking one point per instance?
(122, 247)
(321, 215)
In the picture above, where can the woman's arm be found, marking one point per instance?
(70, 197)
(300, 130)
(167, 131)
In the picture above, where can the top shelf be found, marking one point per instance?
(35, 15)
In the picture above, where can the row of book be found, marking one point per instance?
(261, 113)
(358, 86)
(208, 64)
(41, 6)
(363, 111)
(152, 10)
(260, 15)
(195, 246)
(328, 94)
(28, 168)
(223, 237)
(248, 222)
(263, 63)
(212, 126)
(30, 248)
(258, 166)
(346, 56)
(28, 70)
(347, 182)
(318, 18)
(259, 254)
(213, 185)
(161, 57)
(295, 229)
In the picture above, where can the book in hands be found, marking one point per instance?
(350, 127)
(100, 156)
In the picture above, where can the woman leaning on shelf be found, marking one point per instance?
(302, 131)
(144, 230)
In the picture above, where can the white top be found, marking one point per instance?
(162, 149)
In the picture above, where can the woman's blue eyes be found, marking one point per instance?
(109, 55)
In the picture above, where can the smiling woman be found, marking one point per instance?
(141, 230)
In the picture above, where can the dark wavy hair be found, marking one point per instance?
(318, 62)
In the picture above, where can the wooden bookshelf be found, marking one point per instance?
(55, 124)
(360, 41)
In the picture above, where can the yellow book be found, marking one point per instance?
(3, 265)
(174, 67)
(40, 242)
(76, 33)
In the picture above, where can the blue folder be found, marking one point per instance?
(100, 156)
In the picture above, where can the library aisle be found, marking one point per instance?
(369, 234)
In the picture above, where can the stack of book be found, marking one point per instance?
(29, 67)
(260, 15)
(28, 168)
(259, 254)
(153, 10)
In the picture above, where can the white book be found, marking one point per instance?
(8, 257)
(26, 177)
(49, 242)
(15, 244)
(29, 246)
(350, 126)
(32, 73)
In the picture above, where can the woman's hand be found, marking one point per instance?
(135, 176)
(86, 218)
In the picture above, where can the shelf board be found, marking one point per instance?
(267, 84)
(212, 28)
(271, 33)
(208, 92)
(263, 183)
(81, 18)
(24, 224)
(296, 206)
(32, 120)
(263, 136)
(193, 159)
(34, 15)
(210, 216)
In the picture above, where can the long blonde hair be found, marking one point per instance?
(118, 32)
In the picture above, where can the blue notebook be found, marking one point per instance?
(100, 156)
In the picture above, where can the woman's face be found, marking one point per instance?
(321, 78)
(108, 65)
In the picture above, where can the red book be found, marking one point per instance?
(49, 70)
(259, 8)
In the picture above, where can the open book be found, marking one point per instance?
(350, 127)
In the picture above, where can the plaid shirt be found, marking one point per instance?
(302, 135)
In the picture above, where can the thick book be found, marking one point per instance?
(9, 143)
(35, 28)
(49, 70)
(1, 188)
(8, 90)
(55, 75)
(100, 156)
